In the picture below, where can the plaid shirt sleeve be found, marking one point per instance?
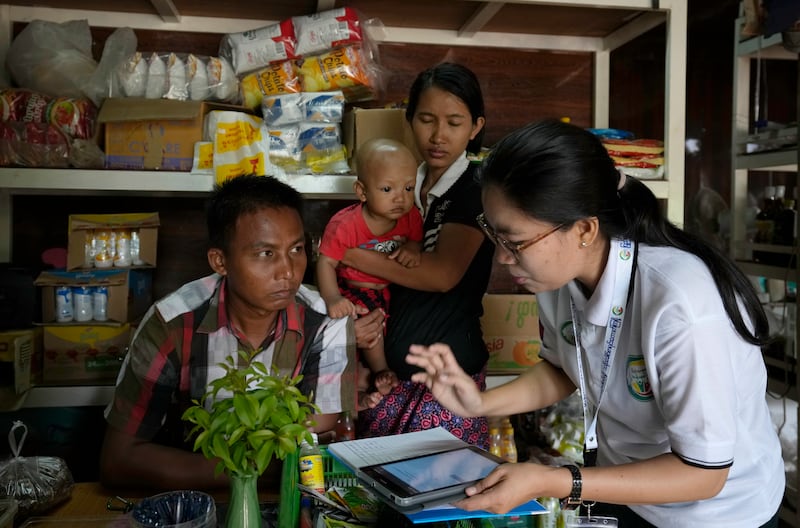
(147, 381)
(336, 382)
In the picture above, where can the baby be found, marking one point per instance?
(385, 220)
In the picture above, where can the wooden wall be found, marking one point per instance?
(519, 86)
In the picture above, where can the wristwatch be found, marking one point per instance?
(573, 500)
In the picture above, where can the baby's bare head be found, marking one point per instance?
(376, 156)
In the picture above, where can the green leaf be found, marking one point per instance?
(294, 409)
(236, 435)
(293, 431)
(246, 410)
(264, 457)
(287, 444)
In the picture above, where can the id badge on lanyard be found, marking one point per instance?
(625, 252)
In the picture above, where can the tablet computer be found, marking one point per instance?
(412, 484)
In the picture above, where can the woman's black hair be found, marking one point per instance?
(243, 195)
(457, 80)
(561, 173)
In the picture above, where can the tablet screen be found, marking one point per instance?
(440, 470)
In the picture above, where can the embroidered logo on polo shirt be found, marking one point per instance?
(616, 310)
(568, 332)
(441, 209)
(636, 377)
(625, 254)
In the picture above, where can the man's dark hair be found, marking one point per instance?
(243, 195)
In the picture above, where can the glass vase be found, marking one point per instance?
(243, 508)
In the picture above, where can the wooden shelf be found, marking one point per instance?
(51, 181)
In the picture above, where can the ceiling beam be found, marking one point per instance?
(166, 10)
(480, 18)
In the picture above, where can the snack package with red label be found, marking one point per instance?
(24, 105)
(327, 30)
(75, 116)
(251, 50)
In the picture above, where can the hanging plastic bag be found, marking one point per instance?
(37, 483)
(120, 45)
(52, 58)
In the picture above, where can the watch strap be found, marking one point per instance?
(573, 500)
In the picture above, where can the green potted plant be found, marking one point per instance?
(262, 415)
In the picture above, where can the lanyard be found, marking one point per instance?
(625, 252)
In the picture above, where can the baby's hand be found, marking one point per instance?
(368, 400)
(385, 381)
(340, 307)
(408, 254)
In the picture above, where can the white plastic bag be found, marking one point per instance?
(52, 58)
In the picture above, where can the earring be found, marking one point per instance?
(583, 243)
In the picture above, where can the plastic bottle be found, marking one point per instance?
(82, 303)
(64, 305)
(345, 428)
(100, 303)
(312, 474)
(305, 512)
(495, 440)
(509, 446)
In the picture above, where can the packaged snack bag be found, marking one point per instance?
(176, 78)
(156, 84)
(326, 30)
(197, 75)
(257, 48)
(347, 69)
(132, 76)
(283, 109)
(275, 79)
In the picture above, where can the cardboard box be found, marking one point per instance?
(130, 292)
(510, 326)
(81, 226)
(154, 134)
(19, 350)
(84, 353)
(362, 124)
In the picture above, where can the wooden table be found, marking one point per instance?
(88, 501)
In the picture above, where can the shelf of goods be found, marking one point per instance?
(781, 363)
(634, 17)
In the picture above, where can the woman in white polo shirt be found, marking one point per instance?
(659, 331)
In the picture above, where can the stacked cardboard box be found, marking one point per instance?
(510, 326)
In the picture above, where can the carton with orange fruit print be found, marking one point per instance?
(510, 326)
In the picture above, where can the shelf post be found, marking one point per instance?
(675, 109)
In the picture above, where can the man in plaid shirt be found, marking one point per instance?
(254, 302)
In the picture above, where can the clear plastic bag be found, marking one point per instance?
(52, 58)
(37, 483)
(179, 76)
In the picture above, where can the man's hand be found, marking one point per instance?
(368, 327)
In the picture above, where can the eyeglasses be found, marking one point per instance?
(512, 247)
